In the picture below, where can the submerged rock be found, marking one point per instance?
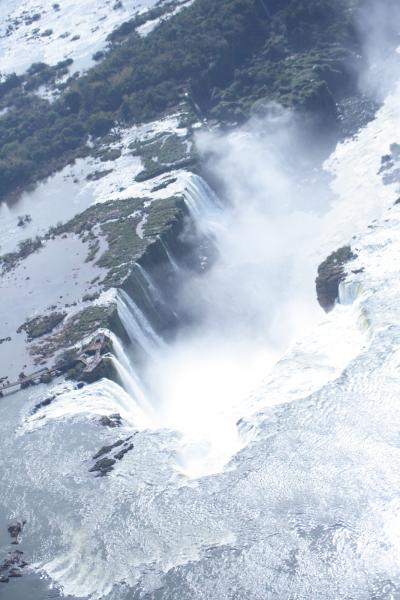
(120, 455)
(15, 530)
(103, 466)
(24, 220)
(15, 573)
(43, 404)
(330, 273)
(107, 449)
(111, 421)
(106, 464)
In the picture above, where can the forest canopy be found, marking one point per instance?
(226, 56)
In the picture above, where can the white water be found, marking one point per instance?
(203, 204)
(309, 508)
(137, 325)
(99, 399)
(169, 256)
(130, 378)
(254, 303)
(150, 288)
(201, 385)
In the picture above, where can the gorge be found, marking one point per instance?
(211, 282)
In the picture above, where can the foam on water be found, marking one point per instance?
(102, 398)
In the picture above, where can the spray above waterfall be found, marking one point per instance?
(246, 443)
(195, 342)
(250, 303)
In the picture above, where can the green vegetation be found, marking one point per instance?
(39, 326)
(162, 212)
(164, 148)
(25, 248)
(162, 154)
(110, 155)
(223, 56)
(123, 31)
(118, 222)
(84, 324)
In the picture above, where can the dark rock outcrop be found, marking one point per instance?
(43, 404)
(12, 566)
(105, 464)
(330, 273)
(106, 449)
(120, 455)
(15, 530)
(111, 421)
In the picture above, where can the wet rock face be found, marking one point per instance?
(330, 273)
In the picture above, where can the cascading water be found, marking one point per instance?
(129, 377)
(201, 200)
(139, 329)
(349, 291)
(169, 256)
(145, 526)
(102, 398)
(307, 504)
(152, 292)
(200, 384)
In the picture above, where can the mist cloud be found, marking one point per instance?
(258, 296)
(379, 27)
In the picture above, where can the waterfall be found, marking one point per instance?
(151, 290)
(200, 199)
(102, 398)
(138, 328)
(4, 210)
(203, 205)
(348, 291)
(127, 374)
(171, 259)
